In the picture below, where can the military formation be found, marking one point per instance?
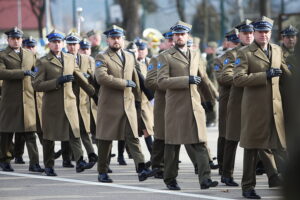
(88, 95)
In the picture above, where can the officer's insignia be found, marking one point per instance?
(159, 65)
(216, 67)
(290, 66)
(150, 67)
(237, 61)
(226, 61)
(98, 63)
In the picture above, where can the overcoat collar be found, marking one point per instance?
(113, 55)
(53, 59)
(258, 52)
(178, 55)
(13, 54)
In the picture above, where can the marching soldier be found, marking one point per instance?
(224, 89)
(82, 98)
(233, 115)
(258, 68)
(117, 116)
(179, 73)
(17, 106)
(60, 121)
(95, 38)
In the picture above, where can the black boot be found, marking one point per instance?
(19, 160)
(121, 148)
(93, 158)
(81, 165)
(36, 168)
(121, 160)
(143, 172)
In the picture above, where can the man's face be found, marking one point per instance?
(56, 45)
(31, 48)
(95, 40)
(142, 54)
(289, 41)
(86, 51)
(262, 37)
(116, 42)
(246, 37)
(180, 39)
(14, 42)
(73, 48)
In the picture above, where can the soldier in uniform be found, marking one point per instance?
(60, 120)
(233, 127)
(258, 68)
(17, 106)
(158, 146)
(224, 89)
(180, 73)
(82, 98)
(117, 116)
(95, 39)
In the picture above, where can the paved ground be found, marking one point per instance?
(24, 185)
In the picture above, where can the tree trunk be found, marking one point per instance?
(131, 22)
(40, 27)
(265, 9)
(180, 9)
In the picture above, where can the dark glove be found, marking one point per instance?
(86, 75)
(273, 72)
(64, 79)
(130, 83)
(194, 80)
(29, 73)
(95, 98)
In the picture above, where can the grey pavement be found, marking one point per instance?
(22, 184)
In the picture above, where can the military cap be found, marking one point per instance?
(181, 27)
(55, 36)
(263, 24)
(232, 36)
(131, 47)
(245, 26)
(29, 42)
(189, 43)
(140, 44)
(84, 44)
(114, 31)
(92, 32)
(14, 32)
(72, 38)
(212, 44)
(168, 35)
(289, 31)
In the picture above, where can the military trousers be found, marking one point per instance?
(48, 150)
(157, 156)
(196, 151)
(220, 152)
(20, 143)
(249, 166)
(229, 158)
(85, 138)
(104, 150)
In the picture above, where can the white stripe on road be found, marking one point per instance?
(114, 185)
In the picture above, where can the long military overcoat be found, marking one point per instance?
(116, 102)
(184, 114)
(262, 122)
(17, 107)
(59, 109)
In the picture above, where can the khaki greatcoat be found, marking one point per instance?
(17, 107)
(59, 109)
(262, 119)
(116, 102)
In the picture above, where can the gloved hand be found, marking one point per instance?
(130, 83)
(29, 73)
(194, 80)
(273, 72)
(86, 75)
(64, 79)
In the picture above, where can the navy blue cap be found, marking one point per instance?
(14, 32)
(289, 31)
(245, 26)
(55, 36)
(168, 35)
(72, 38)
(189, 43)
(84, 44)
(114, 31)
(232, 36)
(181, 27)
(263, 24)
(29, 42)
(140, 44)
